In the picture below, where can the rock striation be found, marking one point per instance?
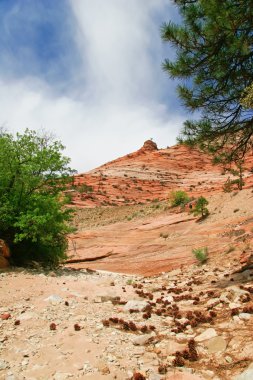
(151, 173)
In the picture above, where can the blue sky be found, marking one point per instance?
(90, 72)
(37, 38)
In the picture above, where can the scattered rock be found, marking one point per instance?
(234, 305)
(213, 302)
(28, 315)
(5, 316)
(246, 375)
(216, 344)
(54, 299)
(136, 305)
(169, 298)
(244, 316)
(207, 334)
(103, 367)
(142, 340)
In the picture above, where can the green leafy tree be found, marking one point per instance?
(200, 207)
(214, 57)
(33, 173)
(178, 198)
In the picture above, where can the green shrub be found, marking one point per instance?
(68, 198)
(200, 207)
(178, 198)
(201, 254)
(33, 219)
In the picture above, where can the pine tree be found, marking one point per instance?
(200, 207)
(214, 61)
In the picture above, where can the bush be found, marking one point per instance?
(200, 207)
(179, 198)
(33, 219)
(201, 254)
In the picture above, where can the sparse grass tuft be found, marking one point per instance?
(201, 254)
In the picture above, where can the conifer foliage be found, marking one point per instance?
(214, 62)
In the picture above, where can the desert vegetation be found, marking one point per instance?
(200, 207)
(201, 254)
(178, 198)
(101, 216)
(33, 174)
(214, 67)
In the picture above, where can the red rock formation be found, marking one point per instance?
(4, 254)
(149, 174)
(148, 145)
(163, 242)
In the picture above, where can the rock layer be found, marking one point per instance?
(149, 174)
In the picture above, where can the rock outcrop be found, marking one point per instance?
(151, 173)
(149, 244)
(149, 146)
(4, 254)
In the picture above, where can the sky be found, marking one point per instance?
(90, 72)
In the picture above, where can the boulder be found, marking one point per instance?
(4, 263)
(216, 344)
(54, 299)
(206, 335)
(136, 305)
(246, 375)
(142, 340)
(4, 254)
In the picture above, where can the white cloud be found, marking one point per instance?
(120, 101)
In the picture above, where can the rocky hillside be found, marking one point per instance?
(150, 173)
(133, 302)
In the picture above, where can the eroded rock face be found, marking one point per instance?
(151, 173)
(4, 254)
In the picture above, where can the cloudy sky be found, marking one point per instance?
(90, 72)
